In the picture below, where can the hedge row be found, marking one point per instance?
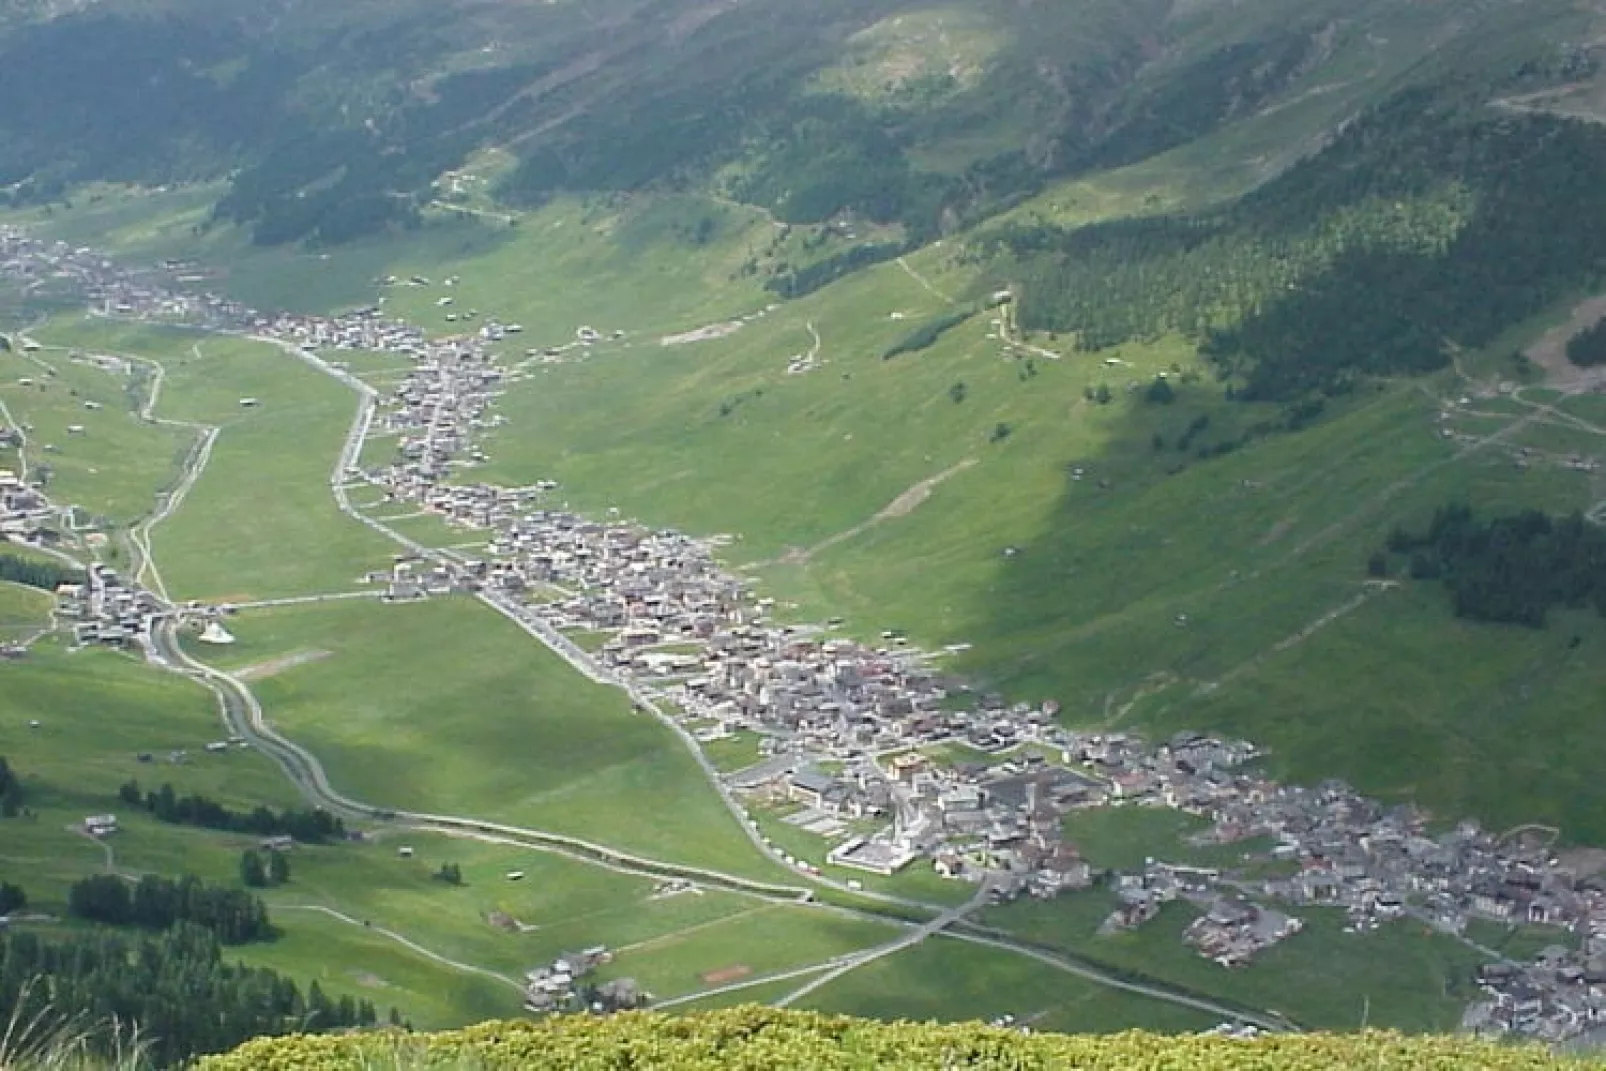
(763, 1039)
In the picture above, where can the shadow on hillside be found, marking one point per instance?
(1230, 593)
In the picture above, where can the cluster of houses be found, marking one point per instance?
(858, 738)
(560, 986)
(105, 609)
(26, 515)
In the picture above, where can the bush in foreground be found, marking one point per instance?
(763, 1039)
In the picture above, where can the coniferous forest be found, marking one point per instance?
(174, 984)
(1588, 348)
(1512, 569)
(312, 826)
(36, 574)
(234, 916)
(1427, 223)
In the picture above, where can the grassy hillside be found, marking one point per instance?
(752, 1037)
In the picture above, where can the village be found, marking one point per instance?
(855, 740)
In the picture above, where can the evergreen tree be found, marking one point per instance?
(252, 872)
(278, 868)
(174, 986)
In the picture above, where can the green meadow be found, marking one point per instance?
(1402, 976)
(81, 427)
(23, 610)
(764, 939)
(460, 712)
(99, 711)
(260, 522)
(946, 979)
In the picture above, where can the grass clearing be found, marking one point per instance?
(946, 979)
(1411, 978)
(260, 521)
(735, 752)
(113, 465)
(764, 940)
(1122, 838)
(462, 712)
(23, 610)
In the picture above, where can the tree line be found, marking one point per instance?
(1512, 569)
(233, 916)
(925, 335)
(174, 986)
(37, 574)
(12, 794)
(258, 873)
(1588, 348)
(312, 826)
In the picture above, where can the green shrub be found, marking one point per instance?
(763, 1039)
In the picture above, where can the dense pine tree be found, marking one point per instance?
(175, 986)
(315, 826)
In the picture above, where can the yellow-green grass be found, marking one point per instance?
(1121, 838)
(1402, 976)
(346, 959)
(445, 706)
(735, 752)
(1519, 941)
(765, 939)
(761, 993)
(370, 366)
(261, 522)
(1254, 548)
(620, 263)
(432, 530)
(1591, 407)
(1560, 439)
(378, 450)
(503, 925)
(677, 458)
(23, 610)
(139, 222)
(312, 945)
(1495, 720)
(116, 465)
(947, 979)
(613, 267)
(98, 710)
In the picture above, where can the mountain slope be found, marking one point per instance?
(335, 122)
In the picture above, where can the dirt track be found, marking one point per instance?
(275, 666)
